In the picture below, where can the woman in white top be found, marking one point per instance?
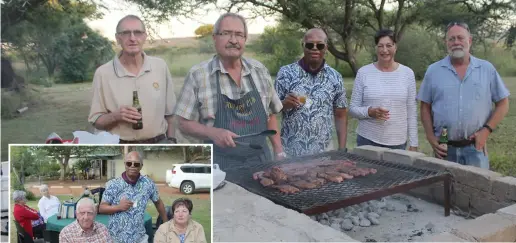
(384, 99)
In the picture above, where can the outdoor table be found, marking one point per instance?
(53, 224)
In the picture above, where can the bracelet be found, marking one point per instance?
(488, 128)
(282, 154)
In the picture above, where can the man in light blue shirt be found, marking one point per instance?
(458, 93)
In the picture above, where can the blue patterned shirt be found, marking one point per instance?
(463, 106)
(308, 129)
(129, 226)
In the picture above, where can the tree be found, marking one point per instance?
(347, 22)
(63, 153)
(204, 30)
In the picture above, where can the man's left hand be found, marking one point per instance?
(480, 138)
(412, 148)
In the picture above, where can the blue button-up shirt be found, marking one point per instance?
(464, 106)
(308, 129)
(129, 226)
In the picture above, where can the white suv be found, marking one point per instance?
(189, 177)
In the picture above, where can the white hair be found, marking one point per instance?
(216, 27)
(140, 158)
(85, 201)
(19, 196)
(43, 188)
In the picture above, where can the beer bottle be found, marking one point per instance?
(443, 139)
(136, 104)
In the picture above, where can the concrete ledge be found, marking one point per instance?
(488, 227)
(370, 152)
(443, 237)
(475, 177)
(508, 211)
(505, 188)
(401, 156)
(434, 163)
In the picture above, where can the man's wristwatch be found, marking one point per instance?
(172, 139)
(488, 128)
(282, 154)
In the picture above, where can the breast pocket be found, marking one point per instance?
(480, 90)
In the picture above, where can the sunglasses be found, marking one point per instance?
(311, 46)
(135, 164)
(461, 24)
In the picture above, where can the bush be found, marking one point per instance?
(206, 45)
(17, 186)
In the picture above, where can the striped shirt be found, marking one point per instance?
(395, 91)
(198, 98)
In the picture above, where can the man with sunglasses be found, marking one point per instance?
(133, 70)
(125, 199)
(230, 95)
(314, 99)
(458, 93)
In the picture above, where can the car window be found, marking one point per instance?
(207, 170)
(199, 169)
(187, 169)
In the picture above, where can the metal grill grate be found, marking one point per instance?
(389, 176)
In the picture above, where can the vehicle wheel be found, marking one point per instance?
(187, 187)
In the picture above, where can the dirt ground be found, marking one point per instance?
(77, 188)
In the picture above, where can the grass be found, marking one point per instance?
(200, 213)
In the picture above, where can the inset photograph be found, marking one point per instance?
(4, 201)
(123, 194)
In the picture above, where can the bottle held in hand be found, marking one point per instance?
(136, 104)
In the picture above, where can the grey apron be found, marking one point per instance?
(241, 116)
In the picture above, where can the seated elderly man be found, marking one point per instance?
(25, 215)
(85, 229)
(182, 228)
(48, 205)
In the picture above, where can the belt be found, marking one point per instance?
(461, 143)
(150, 140)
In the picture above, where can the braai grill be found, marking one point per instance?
(391, 178)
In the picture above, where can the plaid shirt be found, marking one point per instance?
(73, 233)
(198, 98)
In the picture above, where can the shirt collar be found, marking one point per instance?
(446, 62)
(82, 231)
(189, 227)
(216, 65)
(120, 70)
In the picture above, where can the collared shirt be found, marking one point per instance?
(395, 91)
(464, 106)
(48, 206)
(308, 129)
(198, 99)
(167, 233)
(73, 233)
(113, 87)
(129, 226)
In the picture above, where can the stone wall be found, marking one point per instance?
(474, 190)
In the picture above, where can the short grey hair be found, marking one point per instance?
(315, 29)
(19, 196)
(43, 188)
(86, 201)
(130, 16)
(216, 27)
(140, 157)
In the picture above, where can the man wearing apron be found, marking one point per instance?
(229, 96)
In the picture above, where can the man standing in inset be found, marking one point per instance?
(314, 99)
(458, 93)
(131, 73)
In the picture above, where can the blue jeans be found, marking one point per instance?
(361, 141)
(468, 155)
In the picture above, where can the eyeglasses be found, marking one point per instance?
(135, 164)
(229, 34)
(311, 46)
(461, 24)
(127, 33)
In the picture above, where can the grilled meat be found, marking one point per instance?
(317, 181)
(287, 189)
(332, 178)
(266, 182)
(304, 185)
(278, 175)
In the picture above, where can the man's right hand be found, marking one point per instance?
(291, 102)
(223, 138)
(125, 204)
(378, 113)
(128, 114)
(440, 151)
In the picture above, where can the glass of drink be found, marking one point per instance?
(301, 96)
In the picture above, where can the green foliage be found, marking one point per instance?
(204, 30)
(206, 45)
(82, 165)
(418, 49)
(279, 45)
(17, 186)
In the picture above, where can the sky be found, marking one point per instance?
(176, 27)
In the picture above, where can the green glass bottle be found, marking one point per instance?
(136, 104)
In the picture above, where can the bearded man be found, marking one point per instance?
(458, 92)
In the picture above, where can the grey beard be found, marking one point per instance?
(456, 54)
